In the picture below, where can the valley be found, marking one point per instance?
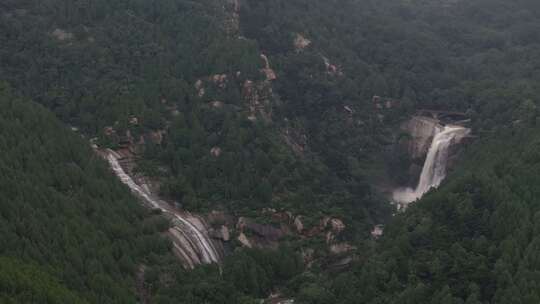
(284, 151)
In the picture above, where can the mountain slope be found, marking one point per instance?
(474, 240)
(62, 209)
(174, 76)
(258, 105)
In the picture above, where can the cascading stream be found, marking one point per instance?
(203, 243)
(434, 170)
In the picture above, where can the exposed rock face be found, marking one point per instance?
(220, 80)
(62, 35)
(331, 69)
(267, 70)
(330, 237)
(199, 86)
(217, 104)
(277, 298)
(189, 233)
(337, 225)
(225, 234)
(341, 248)
(298, 224)
(377, 231)
(301, 42)
(267, 233)
(421, 130)
(251, 234)
(222, 233)
(215, 151)
(242, 238)
(324, 222)
(435, 165)
(269, 236)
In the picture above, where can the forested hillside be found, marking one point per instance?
(139, 68)
(250, 105)
(69, 231)
(475, 240)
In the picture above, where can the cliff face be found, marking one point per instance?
(412, 153)
(411, 149)
(280, 227)
(421, 131)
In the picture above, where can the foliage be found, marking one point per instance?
(102, 63)
(62, 209)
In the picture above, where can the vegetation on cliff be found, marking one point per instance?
(63, 217)
(171, 75)
(305, 128)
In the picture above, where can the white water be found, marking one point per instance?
(434, 170)
(203, 243)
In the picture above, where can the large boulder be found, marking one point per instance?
(337, 225)
(221, 233)
(242, 238)
(301, 42)
(258, 235)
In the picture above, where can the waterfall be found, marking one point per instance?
(190, 242)
(434, 170)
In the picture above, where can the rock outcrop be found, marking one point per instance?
(332, 69)
(421, 131)
(261, 236)
(298, 224)
(301, 42)
(267, 70)
(215, 152)
(242, 238)
(62, 35)
(377, 231)
(251, 234)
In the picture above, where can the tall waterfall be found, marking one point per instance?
(191, 243)
(434, 170)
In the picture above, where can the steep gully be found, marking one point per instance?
(190, 239)
(435, 165)
(189, 234)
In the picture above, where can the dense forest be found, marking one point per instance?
(70, 232)
(108, 63)
(266, 104)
